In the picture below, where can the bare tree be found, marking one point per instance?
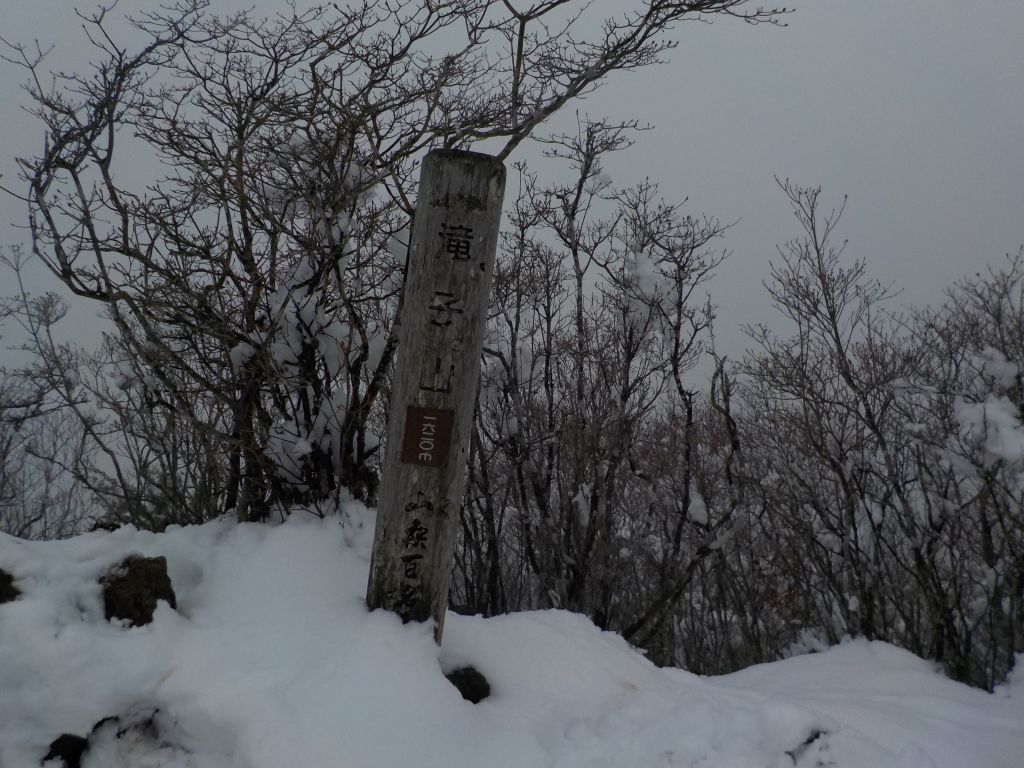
(40, 437)
(887, 451)
(254, 286)
(583, 491)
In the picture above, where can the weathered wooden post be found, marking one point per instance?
(451, 258)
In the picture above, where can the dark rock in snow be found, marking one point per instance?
(471, 684)
(797, 753)
(140, 732)
(132, 588)
(8, 591)
(68, 748)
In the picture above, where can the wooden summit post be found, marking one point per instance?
(448, 277)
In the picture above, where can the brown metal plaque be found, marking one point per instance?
(427, 439)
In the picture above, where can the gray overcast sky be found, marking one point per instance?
(912, 107)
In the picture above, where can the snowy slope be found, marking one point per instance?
(272, 660)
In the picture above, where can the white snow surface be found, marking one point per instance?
(272, 660)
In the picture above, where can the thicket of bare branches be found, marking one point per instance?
(582, 492)
(893, 453)
(861, 474)
(253, 285)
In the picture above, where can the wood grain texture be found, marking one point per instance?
(451, 260)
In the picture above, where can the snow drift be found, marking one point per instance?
(272, 659)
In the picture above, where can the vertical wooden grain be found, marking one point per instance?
(451, 259)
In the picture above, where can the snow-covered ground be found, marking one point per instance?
(273, 661)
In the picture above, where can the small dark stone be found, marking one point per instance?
(67, 747)
(471, 684)
(8, 592)
(70, 748)
(132, 588)
(797, 752)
